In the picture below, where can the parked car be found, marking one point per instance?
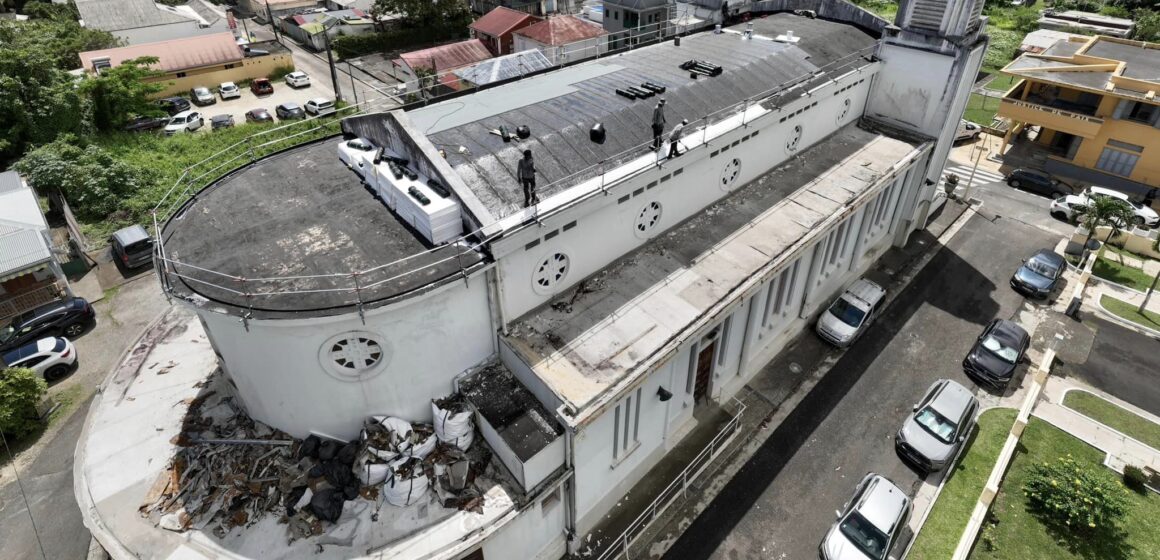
(1037, 182)
(261, 86)
(992, 360)
(1144, 215)
(297, 79)
(967, 131)
(52, 358)
(174, 105)
(254, 52)
(202, 96)
(869, 524)
(187, 121)
(221, 121)
(1073, 207)
(289, 110)
(850, 315)
(1039, 274)
(259, 115)
(229, 90)
(132, 246)
(320, 106)
(143, 124)
(937, 425)
(68, 317)
(357, 154)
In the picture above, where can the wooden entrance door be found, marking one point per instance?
(704, 369)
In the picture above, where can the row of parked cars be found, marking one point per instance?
(190, 121)
(40, 339)
(869, 524)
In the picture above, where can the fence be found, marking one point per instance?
(25, 301)
(678, 488)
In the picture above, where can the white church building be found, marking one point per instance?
(590, 329)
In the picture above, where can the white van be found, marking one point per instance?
(850, 315)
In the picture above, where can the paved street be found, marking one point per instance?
(1122, 362)
(782, 502)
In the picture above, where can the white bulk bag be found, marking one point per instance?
(455, 428)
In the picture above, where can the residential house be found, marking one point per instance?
(143, 21)
(205, 60)
(441, 59)
(643, 20)
(1086, 21)
(30, 274)
(495, 28)
(1042, 39)
(563, 39)
(1093, 102)
(533, 7)
(308, 28)
(269, 10)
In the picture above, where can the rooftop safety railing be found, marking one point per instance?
(257, 293)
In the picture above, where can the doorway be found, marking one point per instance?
(705, 361)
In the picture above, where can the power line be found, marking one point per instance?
(27, 505)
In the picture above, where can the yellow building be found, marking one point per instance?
(204, 60)
(1094, 99)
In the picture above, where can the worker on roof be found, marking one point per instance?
(658, 124)
(675, 138)
(526, 172)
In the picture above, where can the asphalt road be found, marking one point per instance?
(782, 502)
(1122, 362)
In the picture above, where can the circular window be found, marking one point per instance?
(354, 356)
(550, 273)
(795, 138)
(730, 173)
(844, 111)
(647, 219)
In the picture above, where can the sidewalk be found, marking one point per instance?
(1122, 450)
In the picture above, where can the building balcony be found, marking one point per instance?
(1056, 114)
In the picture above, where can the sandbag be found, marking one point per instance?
(453, 427)
(407, 483)
(398, 438)
(372, 473)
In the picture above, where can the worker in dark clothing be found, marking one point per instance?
(658, 124)
(675, 138)
(526, 172)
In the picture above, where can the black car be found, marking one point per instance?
(1037, 182)
(221, 121)
(174, 105)
(992, 361)
(287, 111)
(259, 115)
(68, 317)
(142, 124)
(1039, 274)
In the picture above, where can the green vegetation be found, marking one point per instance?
(1020, 532)
(121, 93)
(981, 109)
(277, 73)
(1112, 271)
(350, 46)
(1125, 310)
(1076, 496)
(885, 9)
(20, 391)
(1001, 83)
(943, 527)
(1114, 417)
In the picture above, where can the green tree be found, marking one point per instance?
(1084, 498)
(50, 10)
(437, 15)
(1106, 211)
(38, 102)
(1147, 26)
(122, 92)
(92, 179)
(21, 389)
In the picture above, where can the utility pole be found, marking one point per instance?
(273, 24)
(330, 61)
(353, 91)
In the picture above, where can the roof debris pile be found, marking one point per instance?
(230, 470)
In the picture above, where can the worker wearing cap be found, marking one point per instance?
(658, 124)
(675, 138)
(526, 172)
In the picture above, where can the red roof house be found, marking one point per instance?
(445, 57)
(561, 30)
(495, 28)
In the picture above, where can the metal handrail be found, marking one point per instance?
(470, 241)
(679, 487)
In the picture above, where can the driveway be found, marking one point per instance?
(1122, 362)
(782, 502)
(282, 94)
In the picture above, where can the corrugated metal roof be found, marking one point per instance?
(504, 67)
(501, 21)
(177, 54)
(10, 181)
(21, 248)
(116, 15)
(561, 30)
(447, 57)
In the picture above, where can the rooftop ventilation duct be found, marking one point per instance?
(789, 37)
(597, 133)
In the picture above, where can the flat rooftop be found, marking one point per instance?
(631, 311)
(560, 107)
(304, 220)
(1141, 62)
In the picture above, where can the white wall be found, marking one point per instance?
(283, 381)
(536, 534)
(604, 228)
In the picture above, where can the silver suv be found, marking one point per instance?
(869, 525)
(937, 427)
(849, 316)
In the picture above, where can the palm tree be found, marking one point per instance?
(1105, 211)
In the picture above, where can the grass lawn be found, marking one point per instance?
(1108, 268)
(885, 9)
(981, 109)
(1001, 83)
(1020, 534)
(1127, 311)
(1115, 417)
(940, 533)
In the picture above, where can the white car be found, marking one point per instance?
(320, 106)
(185, 121)
(869, 525)
(52, 358)
(358, 154)
(850, 315)
(297, 79)
(229, 90)
(1071, 207)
